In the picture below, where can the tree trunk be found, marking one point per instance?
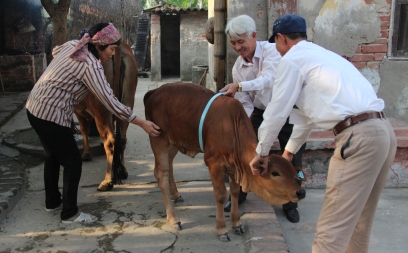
(219, 42)
(58, 13)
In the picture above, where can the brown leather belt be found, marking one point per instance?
(352, 120)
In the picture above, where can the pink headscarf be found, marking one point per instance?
(106, 36)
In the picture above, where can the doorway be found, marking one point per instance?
(170, 45)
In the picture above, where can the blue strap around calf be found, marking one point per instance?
(200, 127)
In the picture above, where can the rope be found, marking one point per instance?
(200, 127)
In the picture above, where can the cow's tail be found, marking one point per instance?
(117, 90)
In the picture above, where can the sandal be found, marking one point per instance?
(82, 218)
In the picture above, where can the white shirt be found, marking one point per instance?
(257, 78)
(66, 82)
(325, 87)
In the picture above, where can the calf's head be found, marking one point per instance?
(279, 182)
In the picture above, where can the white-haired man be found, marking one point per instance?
(253, 77)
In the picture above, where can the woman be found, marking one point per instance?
(75, 70)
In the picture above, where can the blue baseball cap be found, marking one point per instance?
(288, 23)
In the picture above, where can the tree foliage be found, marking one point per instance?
(178, 3)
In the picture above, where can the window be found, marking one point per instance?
(399, 40)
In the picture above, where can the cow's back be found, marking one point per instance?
(177, 109)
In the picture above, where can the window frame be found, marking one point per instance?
(395, 31)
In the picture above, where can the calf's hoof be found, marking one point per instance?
(180, 199)
(177, 226)
(105, 187)
(224, 238)
(239, 230)
(86, 157)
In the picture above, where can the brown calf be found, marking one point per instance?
(229, 146)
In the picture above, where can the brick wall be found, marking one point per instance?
(193, 43)
(17, 72)
(370, 55)
(31, 42)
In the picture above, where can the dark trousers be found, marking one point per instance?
(283, 137)
(60, 150)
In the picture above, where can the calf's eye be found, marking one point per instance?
(275, 174)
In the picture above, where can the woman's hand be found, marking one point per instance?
(149, 127)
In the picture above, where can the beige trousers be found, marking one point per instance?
(357, 174)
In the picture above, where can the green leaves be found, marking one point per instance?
(178, 3)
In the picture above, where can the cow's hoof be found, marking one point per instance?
(180, 199)
(177, 226)
(239, 230)
(86, 157)
(105, 187)
(224, 238)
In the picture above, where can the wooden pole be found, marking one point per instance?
(219, 42)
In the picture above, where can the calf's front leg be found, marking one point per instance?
(235, 215)
(220, 195)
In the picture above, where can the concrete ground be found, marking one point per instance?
(132, 216)
(389, 233)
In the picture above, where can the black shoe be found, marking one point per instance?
(292, 215)
(227, 205)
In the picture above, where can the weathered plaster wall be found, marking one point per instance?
(394, 90)
(155, 48)
(342, 25)
(193, 43)
(310, 10)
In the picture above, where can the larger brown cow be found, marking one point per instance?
(121, 73)
(229, 144)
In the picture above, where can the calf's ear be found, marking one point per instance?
(300, 174)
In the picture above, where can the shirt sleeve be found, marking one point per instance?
(244, 97)
(299, 136)
(94, 78)
(268, 67)
(288, 83)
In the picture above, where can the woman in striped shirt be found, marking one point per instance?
(73, 72)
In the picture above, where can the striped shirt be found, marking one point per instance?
(66, 82)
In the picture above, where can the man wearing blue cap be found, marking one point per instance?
(332, 94)
(253, 77)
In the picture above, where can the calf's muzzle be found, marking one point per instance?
(301, 193)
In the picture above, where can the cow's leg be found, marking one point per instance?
(160, 148)
(235, 215)
(105, 129)
(123, 126)
(84, 128)
(172, 183)
(220, 195)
